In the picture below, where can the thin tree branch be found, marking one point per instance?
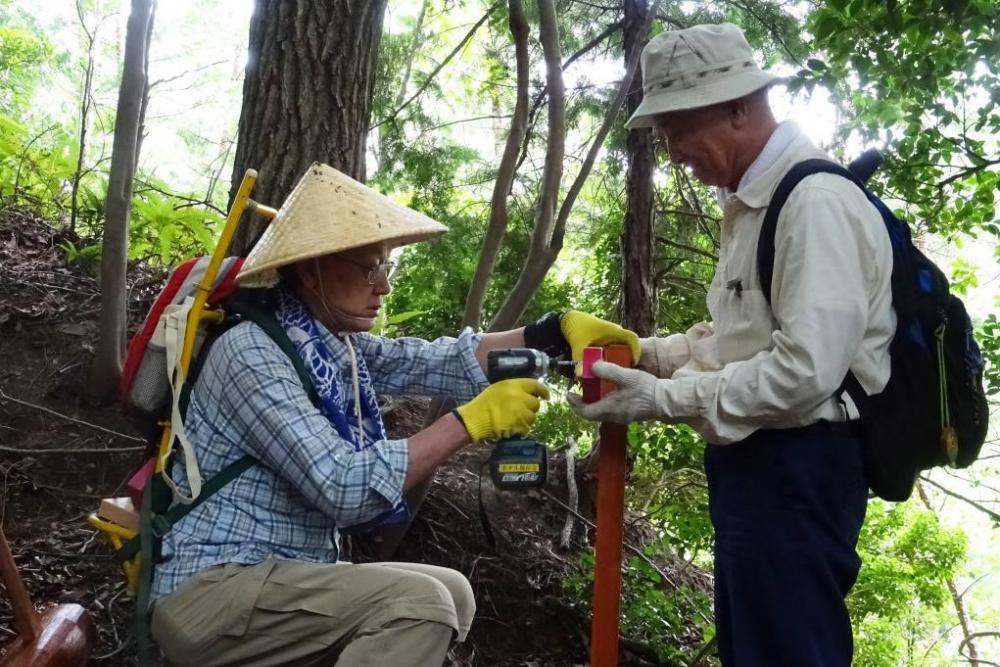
(985, 510)
(7, 397)
(408, 67)
(468, 120)
(592, 44)
(69, 450)
(976, 635)
(634, 549)
(966, 173)
(185, 73)
(775, 35)
(613, 110)
(192, 201)
(545, 209)
(684, 246)
(427, 82)
(956, 599)
(537, 102)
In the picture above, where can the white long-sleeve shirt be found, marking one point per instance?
(751, 368)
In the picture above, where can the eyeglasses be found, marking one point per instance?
(382, 270)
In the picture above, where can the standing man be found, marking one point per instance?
(762, 384)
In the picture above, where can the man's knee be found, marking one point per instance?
(416, 595)
(462, 596)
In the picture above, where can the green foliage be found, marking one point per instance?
(925, 89)
(36, 166)
(963, 276)
(988, 336)
(908, 560)
(86, 256)
(669, 619)
(165, 229)
(24, 57)
(668, 485)
(917, 76)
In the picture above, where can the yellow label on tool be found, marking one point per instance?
(518, 467)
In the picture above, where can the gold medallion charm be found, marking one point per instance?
(949, 443)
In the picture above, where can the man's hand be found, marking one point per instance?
(633, 401)
(503, 409)
(584, 330)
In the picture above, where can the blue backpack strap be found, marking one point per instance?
(765, 242)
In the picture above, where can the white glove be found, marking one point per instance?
(634, 400)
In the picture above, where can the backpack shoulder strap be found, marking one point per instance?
(263, 316)
(765, 242)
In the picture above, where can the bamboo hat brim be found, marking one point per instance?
(329, 212)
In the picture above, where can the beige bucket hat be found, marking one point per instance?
(328, 212)
(696, 67)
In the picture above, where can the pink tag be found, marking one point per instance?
(137, 482)
(590, 385)
(590, 355)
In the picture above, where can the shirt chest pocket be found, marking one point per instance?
(743, 322)
(741, 317)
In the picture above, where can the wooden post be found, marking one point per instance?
(24, 612)
(611, 467)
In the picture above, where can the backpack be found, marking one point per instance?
(144, 389)
(933, 411)
(161, 504)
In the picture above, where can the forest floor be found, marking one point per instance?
(59, 456)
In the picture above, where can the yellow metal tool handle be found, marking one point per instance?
(241, 202)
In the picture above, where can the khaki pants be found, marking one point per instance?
(282, 612)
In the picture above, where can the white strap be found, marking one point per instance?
(174, 320)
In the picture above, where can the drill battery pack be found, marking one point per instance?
(519, 464)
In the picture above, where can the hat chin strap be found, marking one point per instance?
(346, 323)
(341, 321)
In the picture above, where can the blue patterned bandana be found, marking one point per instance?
(303, 331)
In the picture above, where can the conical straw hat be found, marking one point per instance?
(328, 212)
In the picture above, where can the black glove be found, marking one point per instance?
(546, 335)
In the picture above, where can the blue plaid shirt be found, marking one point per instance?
(248, 400)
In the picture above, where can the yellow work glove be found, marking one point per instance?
(584, 330)
(503, 409)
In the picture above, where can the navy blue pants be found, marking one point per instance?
(787, 507)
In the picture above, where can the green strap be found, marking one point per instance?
(942, 377)
(265, 319)
(143, 593)
(160, 524)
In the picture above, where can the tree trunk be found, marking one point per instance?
(140, 132)
(107, 365)
(550, 226)
(546, 239)
(85, 102)
(638, 301)
(497, 228)
(307, 95)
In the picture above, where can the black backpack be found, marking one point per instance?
(933, 411)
